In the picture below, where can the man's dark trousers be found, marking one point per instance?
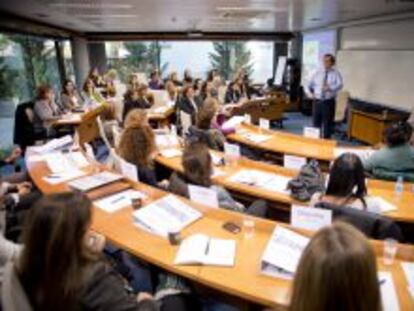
(324, 116)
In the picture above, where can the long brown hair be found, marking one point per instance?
(137, 144)
(197, 164)
(206, 114)
(337, 271)
(53, 262)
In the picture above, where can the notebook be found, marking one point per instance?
(200, 249)
(94, 181)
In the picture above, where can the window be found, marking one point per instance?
(25, 63)
(67, 59)
(198, 56)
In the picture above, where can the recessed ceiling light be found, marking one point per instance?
(82, 5)
(103, 15)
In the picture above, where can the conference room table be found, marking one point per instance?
(281, 143)
(282, 200)
(243, 282)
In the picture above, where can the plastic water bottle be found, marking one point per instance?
(399, 186)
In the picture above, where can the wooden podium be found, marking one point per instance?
(270, 107)
(369, 127)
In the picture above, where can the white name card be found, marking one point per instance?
(311, 132)
(293, 162)
(310, 218)
(247, 118)
(128, 170)
(232, 150)
(173, 130)
(264, 124)
(203, 195)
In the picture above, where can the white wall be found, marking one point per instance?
(396, 35)
(377, 62)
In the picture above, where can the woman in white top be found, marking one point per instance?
(71, 98)
(347, 185)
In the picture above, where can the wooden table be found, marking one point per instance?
(243, 280)
(370, 127)
(160, 119)
(281, 143)
(283, 202)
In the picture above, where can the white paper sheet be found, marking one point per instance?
(311, 132)
(128, 170)
(203, 195)
(57, 178)
(119, 200)
(293, 162)
(310, 218)
(171, 153)
(264, 124)
(233, 122)
(388, 293)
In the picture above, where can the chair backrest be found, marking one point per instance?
(373, 225)
(186, 122)
(13, 295)
(116, 134)
(342, 99)
(142, 78)
(159, 98)
(102, 132)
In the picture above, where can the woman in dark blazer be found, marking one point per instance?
(136, 99)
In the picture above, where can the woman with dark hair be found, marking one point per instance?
(187, 103)
(70, 96)
(337, 271)
(90, 95)
(155, 82)
(233, 94)
(346, 185)
(198, 169)
(133, 83)
(136, 99)
(60, 266)
(96, 78)
(188, 77)
(198, 84)
(396, 158)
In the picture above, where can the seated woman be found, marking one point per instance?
(109, 90)
(172, 94)
(45, 108)
(396, 158)
(198, 84)
(207, 91)
(60, 225)
(137, 146)
(188, 104)
(70, 96)
(207, 129)
(96, 78)
(136, 116)
(136, 100)
(198, 169)
(346, 186)
(155, 82)
(91, 96)
(233, 94)
(174, 79)
(133, 83)
(337, 271)
(188, 77)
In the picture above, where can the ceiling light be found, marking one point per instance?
(82, 5)
(103, 15)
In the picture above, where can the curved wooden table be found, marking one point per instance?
(243, 280)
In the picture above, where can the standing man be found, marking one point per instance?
(323, 87)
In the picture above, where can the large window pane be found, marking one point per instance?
(198, 56)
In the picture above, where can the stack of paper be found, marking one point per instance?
(53, 144)
(119, 200)
(388, 293)
(203, 195)
(256, 138)
(200, 249)
(57, 178)
(282, 254)
(408, 268)
(363, 154)
(168, 214)
(94, 181)
(261, 179)
(61, 162)
(171, 153)
(380, 205)
(166, 140)
(233, 122)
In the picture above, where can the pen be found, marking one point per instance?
(381, 282)
(118, 199)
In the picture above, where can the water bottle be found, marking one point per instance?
(399, 186)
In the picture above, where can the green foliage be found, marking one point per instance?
(229, 57)
(142, 57)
